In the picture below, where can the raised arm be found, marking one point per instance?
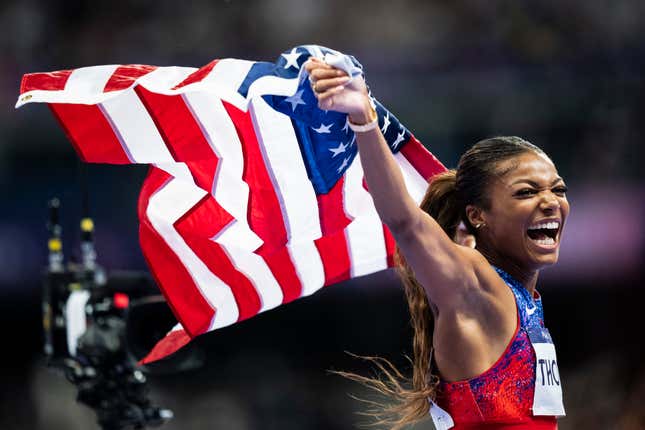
(446, 269)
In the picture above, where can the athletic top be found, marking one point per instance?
(502, 396)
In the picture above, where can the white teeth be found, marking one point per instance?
(547, 241)
(549, 225)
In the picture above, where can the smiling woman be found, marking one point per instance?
(522, 217)
(483, 357)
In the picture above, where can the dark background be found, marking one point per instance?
(566, 75)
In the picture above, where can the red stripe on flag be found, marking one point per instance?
(421, 159)
(335, 257)
(390, 246)
(331, 211)
(197, 226)
(183, 296)
(166, 346)
(264, 212)
(283, 270)
(332, 247)
(198, 75)
(90, 132)
(203, 172)
(177, 125)
(52, 81)
(124, 76)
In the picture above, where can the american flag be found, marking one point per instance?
(255, 197)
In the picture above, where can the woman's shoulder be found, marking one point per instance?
(471, 334)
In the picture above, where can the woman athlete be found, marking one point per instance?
(476, 313)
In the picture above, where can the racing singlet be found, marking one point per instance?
(522, 390)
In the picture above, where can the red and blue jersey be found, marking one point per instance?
(502, 396)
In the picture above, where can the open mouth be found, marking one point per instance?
(544, 233)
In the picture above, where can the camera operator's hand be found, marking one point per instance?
(335, 91)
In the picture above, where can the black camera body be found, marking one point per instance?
(84, 322)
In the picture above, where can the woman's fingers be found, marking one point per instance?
(328, 84)
(326, 99)
(318, 69)
(320, 86)
(325, 73)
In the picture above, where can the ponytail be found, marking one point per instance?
(410, 396)
(440, 202)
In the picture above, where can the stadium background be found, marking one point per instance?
(566, 75)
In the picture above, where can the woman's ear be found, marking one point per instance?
(475, 216)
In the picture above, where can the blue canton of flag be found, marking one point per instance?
(327, 144)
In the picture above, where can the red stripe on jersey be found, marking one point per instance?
(90, 132)
(180, 131)
(124, 76)
(421, 159)
(198, 75)
(264, 211)
(52, 81)
(208, 218)
(183, 296)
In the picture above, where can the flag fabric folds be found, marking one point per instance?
(255, 197)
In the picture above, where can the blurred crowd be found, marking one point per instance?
(566, 75)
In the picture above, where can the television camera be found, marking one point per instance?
(85, 320)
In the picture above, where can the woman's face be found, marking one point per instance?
(527, 212)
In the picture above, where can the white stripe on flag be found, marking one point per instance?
(229, 73)
(135, 129)
(165, 207)
(272, 85)
(179, 170)
(414, 182)
(229, 190)
(252, 266)
(232, 193)
(286, 168)
(297, 196)
(163, 79)
(315, 51)
(87, 82)
(306, 259)
(365, 240)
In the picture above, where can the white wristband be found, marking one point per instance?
(362, 128)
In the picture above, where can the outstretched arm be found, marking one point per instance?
(439, 264)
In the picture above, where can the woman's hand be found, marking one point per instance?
(334, 91)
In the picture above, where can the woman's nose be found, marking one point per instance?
(549, 201)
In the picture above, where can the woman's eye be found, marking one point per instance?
(525, 192)
(561, 190)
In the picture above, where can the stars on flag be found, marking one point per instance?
(292, 59)
(386, 123)
(399, 138)
(346, 127)
(339, 149)
(323, 129)
(343, 165)
(295, 100)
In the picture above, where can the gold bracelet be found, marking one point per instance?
(362, 128)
